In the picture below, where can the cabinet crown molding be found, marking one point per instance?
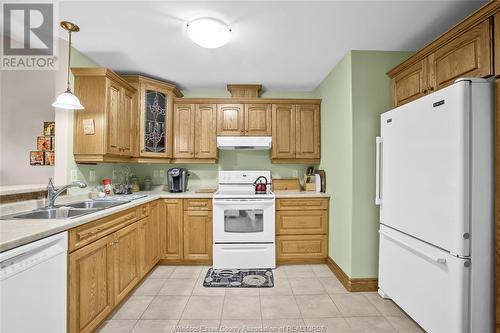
(102, 71)
(244, 90)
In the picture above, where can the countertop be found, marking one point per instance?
(17, 232)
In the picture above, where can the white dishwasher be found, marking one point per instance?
(33, 286)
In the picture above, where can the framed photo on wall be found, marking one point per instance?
(49, 128)
(37, 158)
(44, 143)
(49, 158)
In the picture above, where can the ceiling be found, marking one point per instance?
(283, 45)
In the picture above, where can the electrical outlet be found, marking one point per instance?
(74, 175)
(113, 175)
(295, 174)
(155, 174)
(162, 173)
(91, 175)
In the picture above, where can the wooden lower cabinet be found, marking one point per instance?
(103, 272)
(126, 260)
(171, 230)
(90, 285)
(198, 236)
(301, 247)
(301, 230)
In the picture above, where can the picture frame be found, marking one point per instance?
(49, 128)
(37, 158)
(49, 158)
(44, 143)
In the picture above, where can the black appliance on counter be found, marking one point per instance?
(177, 180)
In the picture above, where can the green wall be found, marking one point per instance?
(354, 94)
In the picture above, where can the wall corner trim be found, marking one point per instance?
(353, 285)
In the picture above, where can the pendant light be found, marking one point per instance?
(67, 100)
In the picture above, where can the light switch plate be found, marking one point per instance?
(74, 175)
(155, 174)
(92, 176)
(162, 173)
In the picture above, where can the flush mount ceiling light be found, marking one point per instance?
(67, 100)
(209, 32)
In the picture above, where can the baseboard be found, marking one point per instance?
(368, 284)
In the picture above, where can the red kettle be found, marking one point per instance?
(261, 187)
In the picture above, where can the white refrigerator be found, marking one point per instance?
(435, 191)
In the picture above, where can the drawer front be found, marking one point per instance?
(302, 204)
(301, 247)
(143, 211)
(197, 204)
(301, 222)
(90, 232)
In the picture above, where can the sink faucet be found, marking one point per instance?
(52, 193)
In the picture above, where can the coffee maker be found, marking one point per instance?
(177, 179)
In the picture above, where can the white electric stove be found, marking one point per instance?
(243, 222)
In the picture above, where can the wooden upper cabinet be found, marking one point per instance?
(198, 235)
(90, 285)
(283, 120)
(155, 105)
(102, 132)
(410, 84)
(126, 260)
(307, 117)
(171, 230)
(205, 140)
(230, 119)
(184, 118)
(496, 43)
(258, 119)
(467, 55)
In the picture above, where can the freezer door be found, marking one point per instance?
(429, 284)
(424, 168)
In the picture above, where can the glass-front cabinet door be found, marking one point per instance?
(155, 122)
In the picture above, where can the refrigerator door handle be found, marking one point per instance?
(414, 249)
(378, 171)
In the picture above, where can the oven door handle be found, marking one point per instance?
(239, 203)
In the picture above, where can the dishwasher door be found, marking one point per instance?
(33, 286)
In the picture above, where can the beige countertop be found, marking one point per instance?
(17, 232)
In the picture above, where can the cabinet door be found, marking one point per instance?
(258, 119)
(410, 84)
(283, 124)
(126, 260)
(467, 55)
(307, 131)
(126, 134)
(153, 234)
(114, 96)
(155, 122)
(230, 119)
(205, 131)
(184, 130)
(90, 285)
(301, 247)
(171, 230)
(198, 236)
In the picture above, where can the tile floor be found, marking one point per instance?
(173, 299)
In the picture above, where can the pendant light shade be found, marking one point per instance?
(67, 100)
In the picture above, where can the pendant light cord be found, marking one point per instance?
(69, 58)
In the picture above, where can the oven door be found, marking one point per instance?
(243, 220)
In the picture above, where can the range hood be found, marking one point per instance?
(244, 142)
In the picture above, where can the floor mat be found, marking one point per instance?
(239, 278)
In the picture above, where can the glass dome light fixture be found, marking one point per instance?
(67, 100)
(209, 32)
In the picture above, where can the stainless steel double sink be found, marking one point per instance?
(67, 211)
